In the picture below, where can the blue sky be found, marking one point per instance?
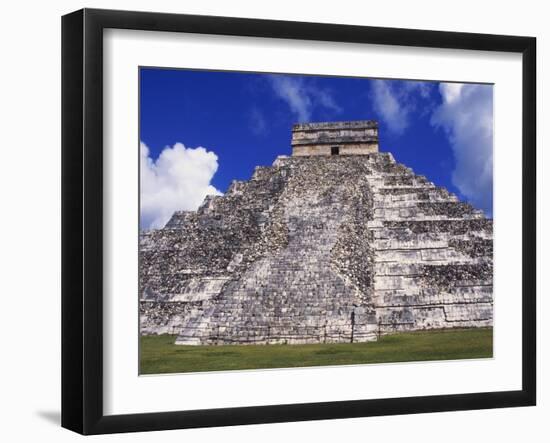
(200, 130)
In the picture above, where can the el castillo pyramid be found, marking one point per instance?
(337, 243)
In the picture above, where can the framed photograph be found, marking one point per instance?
(269, 221)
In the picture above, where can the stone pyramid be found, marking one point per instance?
(333, 244)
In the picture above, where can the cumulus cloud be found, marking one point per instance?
(395, 101)
(466, 115)
(302, 96)
(178, 179)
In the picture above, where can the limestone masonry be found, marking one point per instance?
(337, 243)
(335, 138)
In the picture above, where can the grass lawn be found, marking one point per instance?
(160, 355)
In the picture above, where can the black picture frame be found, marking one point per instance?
(82, 218)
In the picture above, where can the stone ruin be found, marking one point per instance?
(340, 138)
(337, 243)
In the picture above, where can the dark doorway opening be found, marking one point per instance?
(335, 150)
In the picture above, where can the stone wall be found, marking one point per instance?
(318, 249)
(344, 149)
(357, 138)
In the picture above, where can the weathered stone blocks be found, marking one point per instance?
(318, 250)
(335, 138)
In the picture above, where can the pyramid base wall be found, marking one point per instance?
(319, 250)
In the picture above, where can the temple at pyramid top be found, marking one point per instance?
(335, 138)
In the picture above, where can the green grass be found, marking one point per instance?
(160, 355)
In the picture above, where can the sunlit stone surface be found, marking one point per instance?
(314, 249)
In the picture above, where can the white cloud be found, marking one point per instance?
(386, 103)
(302, 96)
(178, 179)
(395, 101)
(450, 91)
(466, 114)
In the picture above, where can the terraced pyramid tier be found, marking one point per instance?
(318, 249)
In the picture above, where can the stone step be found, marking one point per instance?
(306, 240)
